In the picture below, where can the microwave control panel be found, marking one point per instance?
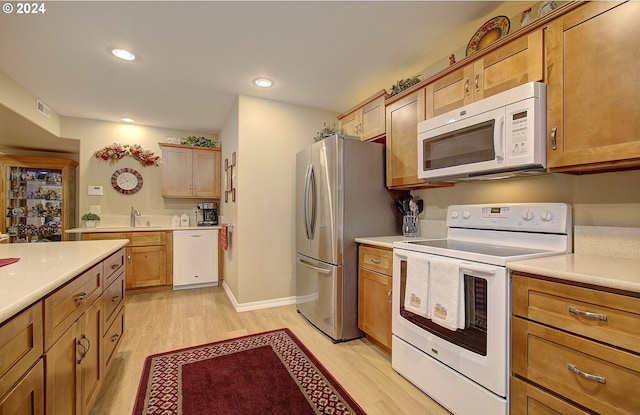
(519, 133)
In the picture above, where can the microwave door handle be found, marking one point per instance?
(501, 140)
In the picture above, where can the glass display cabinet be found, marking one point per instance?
(39, 201)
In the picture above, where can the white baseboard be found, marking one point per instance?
(256, 305)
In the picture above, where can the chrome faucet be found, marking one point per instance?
(133, 215)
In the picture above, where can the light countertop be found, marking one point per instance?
(609, 272)
(43, 267)
(387, 241)
(139, 229)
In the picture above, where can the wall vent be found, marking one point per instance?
(43, 108)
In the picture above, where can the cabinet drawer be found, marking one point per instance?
(112, 266)
(101, 236)
(112, 337)
(616, 318)
(526, 399)
(20, 345)
(546, 356)
(64, 306)
(376, 259)
(147, 238)
(112, 298)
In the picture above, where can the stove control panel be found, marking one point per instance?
(536, 217)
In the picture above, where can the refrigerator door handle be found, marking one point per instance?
(306, 264)
(310, 202)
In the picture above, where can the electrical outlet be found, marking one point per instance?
(95, 209)
(195, 211)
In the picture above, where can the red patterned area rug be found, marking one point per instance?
(265, 373)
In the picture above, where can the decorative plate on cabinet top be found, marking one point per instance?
(488, 33)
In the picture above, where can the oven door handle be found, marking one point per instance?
(477, 269)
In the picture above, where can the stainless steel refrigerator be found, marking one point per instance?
(340, 195)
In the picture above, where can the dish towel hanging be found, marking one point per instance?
(416, 293)
(446, 293)
(224, 236)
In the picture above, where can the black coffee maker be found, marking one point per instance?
(207, 214)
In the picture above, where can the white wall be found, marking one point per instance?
(605, 199)
(94, 135)
(269, 136)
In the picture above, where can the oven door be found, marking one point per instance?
(480, 350)
(462, 147)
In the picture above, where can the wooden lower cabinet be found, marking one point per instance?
(27, 396)
(575, 349)
(54, 354)
(374, 294)
(148, 256)
(74, 366)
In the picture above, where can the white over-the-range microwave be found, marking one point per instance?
(500, 136)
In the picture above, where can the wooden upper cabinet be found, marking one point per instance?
(593, 79)
(514, 63)
(403, 116)
(367, 119)
(190, 172)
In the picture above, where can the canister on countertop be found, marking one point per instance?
(184, 220)
(175, 221)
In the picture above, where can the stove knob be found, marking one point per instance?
(527, 215)
(466, 214)
(546, 216)
(454, 214)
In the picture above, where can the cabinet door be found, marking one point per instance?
(146, 266)
(593, 79)
(449, 92)
(63, 373)
(372, 119)
(91, 358)
(402, 139)
(515, 63)
(512, 64)
(374, 306)
(349, 124)
(27, 397)
(176, 172)
(206, 177)
(527, 399)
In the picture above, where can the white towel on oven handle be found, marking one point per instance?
(416, 292)
(446, 293)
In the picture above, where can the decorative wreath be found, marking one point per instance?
(114, 152)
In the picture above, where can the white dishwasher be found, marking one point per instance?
(195, 258)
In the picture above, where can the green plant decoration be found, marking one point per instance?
(327, 131)
(403, 84)
(198, 142)
(90, 216)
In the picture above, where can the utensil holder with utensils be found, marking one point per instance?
(410, 225)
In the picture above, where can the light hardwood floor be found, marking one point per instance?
(167, 320)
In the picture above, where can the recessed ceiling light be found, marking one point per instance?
(263, 82)
(127, 119)
(123, 54)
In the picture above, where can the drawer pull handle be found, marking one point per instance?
(115, 266)
(574, 310)
(375, 261)
(115, 337)
(115, 298)
(80, 298)
(389, 297)
(577, 371)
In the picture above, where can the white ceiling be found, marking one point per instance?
(195, 58)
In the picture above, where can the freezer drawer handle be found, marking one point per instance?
(324, 271)
(579, 312)
(577, 371)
